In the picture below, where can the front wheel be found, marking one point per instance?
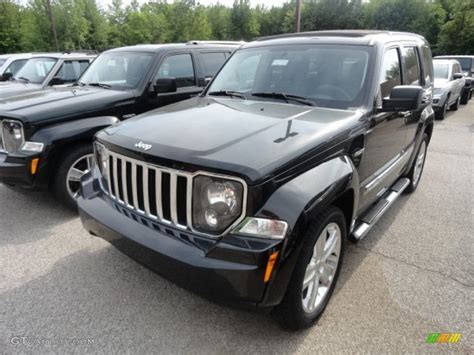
(74, 165)
(316, 272)
(417, 169)
(439, 115)
(455, 106)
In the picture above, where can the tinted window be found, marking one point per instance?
(71, 70)
(178, 66)
(329, 75)
(121, 70)
(36, 69)
(412, 66)
(427, 65)
(390, 76)
(212, 62)
(465, 63)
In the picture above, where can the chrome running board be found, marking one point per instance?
(368, 220)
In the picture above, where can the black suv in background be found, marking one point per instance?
(467, 66)
(46, 135)
(248, 192)
(42, 71)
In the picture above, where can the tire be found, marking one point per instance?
(291, 312)
(418, 164)
(455, 106)
(465, 97)
(65, 185)
(441, 114)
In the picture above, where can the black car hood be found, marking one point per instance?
(250, 138)
(13, 88)
(51, 104)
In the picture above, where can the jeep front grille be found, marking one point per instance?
(155, 192)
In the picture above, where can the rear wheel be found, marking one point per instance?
(74, 165)
(316, 272)
(417, 169)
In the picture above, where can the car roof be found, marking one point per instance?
(445, 61)
(453, 56)
(361, 37)
(191, 44)
(65, 55)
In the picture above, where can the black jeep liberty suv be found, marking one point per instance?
(248, 192)
(46, 135)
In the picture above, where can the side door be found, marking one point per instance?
(210, 63)
(182, 67)
(385, 138)
(69, 72)
(459, 83)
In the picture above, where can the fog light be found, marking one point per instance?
(32, 147)
(263, 228)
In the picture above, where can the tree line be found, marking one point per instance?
(26, 26)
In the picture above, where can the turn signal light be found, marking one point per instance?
(34, 166)
(270, 265)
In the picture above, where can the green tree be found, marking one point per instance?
(244, 22)
(10, 14)
(457, 34)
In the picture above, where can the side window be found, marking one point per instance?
(16, 66)
(179, 66)
(427, 65)
(410, 55)
(390, 76)
(212, 62)
(71, 70)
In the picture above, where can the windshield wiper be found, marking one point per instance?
(24, 79)
(227, 93)
(79, 83)
(286, 97)
(101, 85)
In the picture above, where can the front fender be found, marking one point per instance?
(298, 202)
(58, 137)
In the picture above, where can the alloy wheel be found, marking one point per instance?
(322, 267)
(77, 170)
(419, 162)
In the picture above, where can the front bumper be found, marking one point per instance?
(230, 270)
(15, 170)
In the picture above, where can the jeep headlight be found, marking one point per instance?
(437, 91)
(13, 138)
(217, 203)
(102, 159)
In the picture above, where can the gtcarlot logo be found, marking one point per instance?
(45, 341)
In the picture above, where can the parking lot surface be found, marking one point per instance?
(63, 290)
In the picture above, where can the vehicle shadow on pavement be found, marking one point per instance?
(29, 216)
(104, 295)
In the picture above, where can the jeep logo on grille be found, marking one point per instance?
(143, 146)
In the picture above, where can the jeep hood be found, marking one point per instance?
(440, 83)
(253, 139)
(58, 103)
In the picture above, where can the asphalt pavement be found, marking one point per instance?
(64, 291)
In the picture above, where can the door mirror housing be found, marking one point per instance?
(165, 85)
(457, 76)
(6, 77)
(56, 81)
(403, 98)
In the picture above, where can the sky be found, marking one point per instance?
(229, 3)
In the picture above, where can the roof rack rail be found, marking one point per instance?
(82, 51)
(215, 42)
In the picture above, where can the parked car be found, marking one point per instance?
(42, 71)
(467, 66)
(11, 63)
(47, 135)
(248, 192)
(448, 86)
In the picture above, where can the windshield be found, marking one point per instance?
(333, 76)
(35, 70)
(2, 61)
(119, 70)
(441, 71)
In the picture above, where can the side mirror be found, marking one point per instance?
(6, 77)
(165, 85)
(457, 76)
(56, 81)
(403, 98)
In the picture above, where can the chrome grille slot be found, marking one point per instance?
(158, 193)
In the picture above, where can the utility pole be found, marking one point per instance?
(53, 24)
(298, 16)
